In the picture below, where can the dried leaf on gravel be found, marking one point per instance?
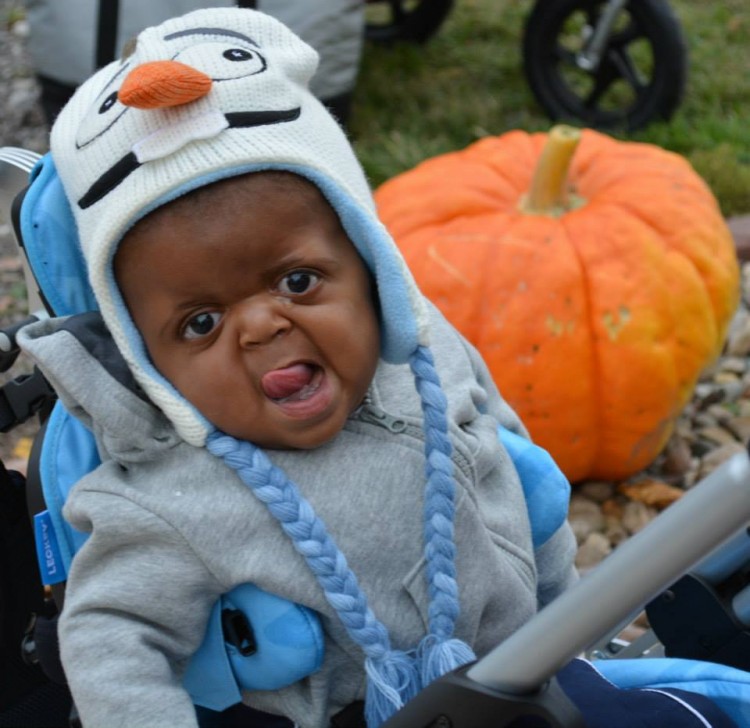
(22, 449)
(651, 492)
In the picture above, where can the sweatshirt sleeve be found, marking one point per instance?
(545, 487)
(135, 611)
(555, 565)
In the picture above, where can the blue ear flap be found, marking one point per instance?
(50, 239)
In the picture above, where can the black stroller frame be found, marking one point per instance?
(584, 60)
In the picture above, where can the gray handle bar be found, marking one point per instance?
(704, 519)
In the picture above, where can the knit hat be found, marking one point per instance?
(213, 94)
(210, 95)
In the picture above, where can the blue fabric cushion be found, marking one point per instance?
(726, 686)
(289, 642)
(50, 238)
(605, 705)
(546, 489)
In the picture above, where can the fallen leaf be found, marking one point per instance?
(22, 450)
(654, 493)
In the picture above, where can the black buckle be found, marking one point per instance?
(23, 397)
(29, 655)
(9, 350)
(238, 632)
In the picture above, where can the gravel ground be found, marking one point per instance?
(21, 124)
(714, 425)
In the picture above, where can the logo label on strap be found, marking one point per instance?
(48, 552)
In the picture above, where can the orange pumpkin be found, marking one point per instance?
(596, 284)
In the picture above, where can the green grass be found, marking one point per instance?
(414, 102)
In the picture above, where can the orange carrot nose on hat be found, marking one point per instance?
(163, 83)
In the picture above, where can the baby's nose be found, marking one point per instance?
(260, 323)
(161, 84)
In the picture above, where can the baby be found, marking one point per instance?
(266, 322)
(274, 402)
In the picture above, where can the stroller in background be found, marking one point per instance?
(606, 64)
(696, 583)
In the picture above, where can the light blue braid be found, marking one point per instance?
(394, 676)
(438, 652)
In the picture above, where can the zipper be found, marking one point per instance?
(374, 415)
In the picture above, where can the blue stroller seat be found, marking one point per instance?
(255, 640)
(244, 647)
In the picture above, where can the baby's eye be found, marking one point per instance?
(201, 325)
(298, 282)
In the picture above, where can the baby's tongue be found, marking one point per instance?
(281, 383)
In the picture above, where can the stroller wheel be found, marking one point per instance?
(637, 76)
(404, 20)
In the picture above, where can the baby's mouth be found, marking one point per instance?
(294, 383)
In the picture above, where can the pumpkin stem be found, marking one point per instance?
(548, 194)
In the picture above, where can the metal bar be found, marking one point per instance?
(591, 55)
(636, 572)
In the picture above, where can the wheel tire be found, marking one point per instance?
(546, 60)
(416, 25)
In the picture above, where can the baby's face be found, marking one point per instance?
(258, 309)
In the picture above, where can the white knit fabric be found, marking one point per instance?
(256, 65)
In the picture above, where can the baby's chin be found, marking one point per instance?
(290, 443)
(303, 437)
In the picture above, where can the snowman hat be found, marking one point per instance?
(213, 94)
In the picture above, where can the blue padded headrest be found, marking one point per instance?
(68, 453)
(50, 238)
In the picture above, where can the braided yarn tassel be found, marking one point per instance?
(438, 652)
(392, 674)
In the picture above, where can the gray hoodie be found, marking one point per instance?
(172, 528)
